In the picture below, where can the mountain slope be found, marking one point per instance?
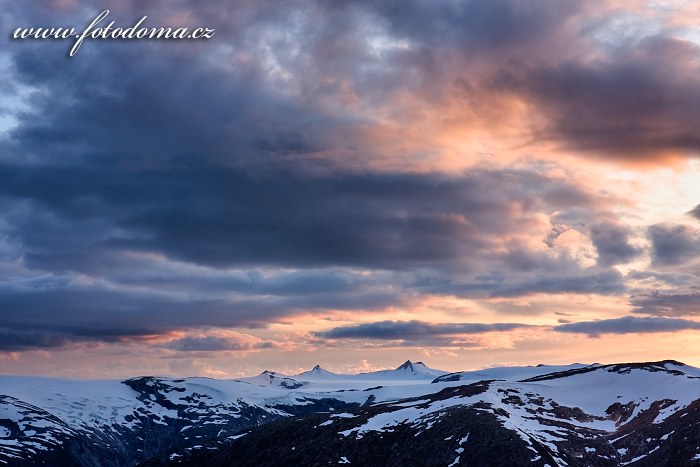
(123, 423)
(598, 415)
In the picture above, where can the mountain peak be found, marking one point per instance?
(408, 365)
(317, 372)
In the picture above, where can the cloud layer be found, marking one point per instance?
(629, 325)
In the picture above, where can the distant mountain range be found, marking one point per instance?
(637, 414)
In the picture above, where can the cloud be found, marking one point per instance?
(671, 279)
(12, 341)
(628, 325)
(636, 101)
(104, 312)
(312, 85)
(144, 251)
(673, 245)
(695, 212)
(604, 283)
(586, 87)
(226, 218)
(411, 330)
(612, 244)
(290, 165)
(595, 281)
(667, 304)
(217, 342)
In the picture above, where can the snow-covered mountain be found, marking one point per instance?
(407, 371)
(319, 373)
(623, 414)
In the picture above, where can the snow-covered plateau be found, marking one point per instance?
(598, 415)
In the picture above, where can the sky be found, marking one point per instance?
(350, 183)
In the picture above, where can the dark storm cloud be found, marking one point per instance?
(227, 218)
(115, 108)
(214, 344)
(612, 244)
(604, 283)
(601, 282)
(302, 283)
(673, 245)
(667, 303)
(411, 330)
(633, 98)
(12, 341)
(628, 325)
(487, 26)
(285, 80)
(677, 279)
(109, 313)
(109, 224)
(695, 212)
(250, 152)
(637, 101)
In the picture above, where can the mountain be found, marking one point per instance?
(408, 371)
(272, 378)
(317, 373)
(638, 414)
(419, 368)
(98, 423)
